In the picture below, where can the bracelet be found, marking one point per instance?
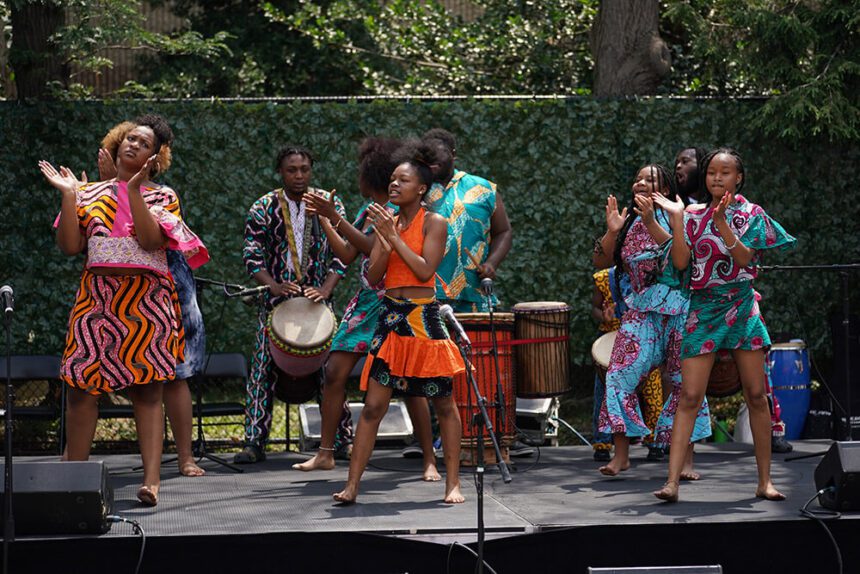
(337, 225)
(326, 449)
(733, 245)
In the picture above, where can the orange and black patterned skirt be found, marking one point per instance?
(411, 351)
(123, 330)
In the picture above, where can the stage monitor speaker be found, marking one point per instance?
(396, 426)
(59, 497)
(659, 570)
(840, 469)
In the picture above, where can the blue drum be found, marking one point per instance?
(789, 372)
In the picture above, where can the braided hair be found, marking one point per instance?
(706, 161)
(665, 180)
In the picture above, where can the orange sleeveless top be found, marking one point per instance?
(398, 274)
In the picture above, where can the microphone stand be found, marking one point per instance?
(8, 517)
(501, 415)
(482, 421)
(843, 270)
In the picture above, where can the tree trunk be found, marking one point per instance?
(630, 58)
(32, 56)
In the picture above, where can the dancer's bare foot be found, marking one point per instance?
(347, 495)
(687, 472)
(431, 474)
(453, 495)
(669, 492)
(190, 468)
(769, 492)
(322, 460)
(148, 494)
(614, 467)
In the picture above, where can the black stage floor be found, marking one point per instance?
(558, 515)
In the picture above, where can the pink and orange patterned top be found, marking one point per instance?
(105, 219)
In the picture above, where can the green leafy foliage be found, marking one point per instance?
(804, 54)
(555, 161)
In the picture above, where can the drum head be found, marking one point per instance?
(295, 390)
(540, 307)
(601, 350)
(302, 323)
(484, 318)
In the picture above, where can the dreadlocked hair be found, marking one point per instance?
(665, 180)
(706, 161)
(419, 154)
(376, 162)
(292, 149)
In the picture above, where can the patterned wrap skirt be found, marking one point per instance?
(724, 317)
(411, 351)
(192, 318)
(124, 330)
(358, 325)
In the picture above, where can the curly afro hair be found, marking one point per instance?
(159, 127)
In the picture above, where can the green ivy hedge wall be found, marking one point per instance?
(555, 161)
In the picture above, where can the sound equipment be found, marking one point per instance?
(839, 471)
(61, 497)
(395, 426)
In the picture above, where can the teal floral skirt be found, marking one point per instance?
(724, 317)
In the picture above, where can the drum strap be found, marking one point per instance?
(291, 238)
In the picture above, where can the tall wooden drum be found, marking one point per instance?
(477, 326)
(542, 330)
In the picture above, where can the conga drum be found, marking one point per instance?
(601, 352)
(300, 332)
(477, 327)
(542, 344)
(724, 380)
(790, 377)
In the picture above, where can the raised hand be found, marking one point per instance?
(614, 220)
(64, 180)
(644, 207)
(720, 210)
(317, 203)
(383, 221)
(671, 207)
(107, 165)
(143, 174)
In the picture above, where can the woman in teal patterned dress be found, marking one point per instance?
(720, 242)
(352, 340)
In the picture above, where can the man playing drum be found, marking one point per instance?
(285, 250)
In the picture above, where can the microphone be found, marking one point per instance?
(447, 313)
(487, 286)
(7, 300)
(249, 292)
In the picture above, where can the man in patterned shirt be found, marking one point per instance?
(285, 250)
(479, 238)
